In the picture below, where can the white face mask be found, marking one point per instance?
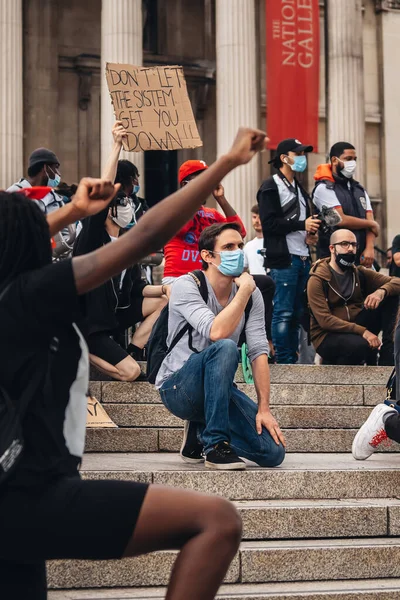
(349, 168)
(124, 216)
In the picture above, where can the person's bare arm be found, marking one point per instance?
(264, 416)
(110, 169)
(229, 318)
(219, 196)
(162, 221)
(348, 222)
(368, 255)
(97, 196)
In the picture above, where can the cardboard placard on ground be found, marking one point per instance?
(96, 414)
(154, 107)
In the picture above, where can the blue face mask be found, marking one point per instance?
(232, 262)
(136, 189)
(53, 182)
(300, 164)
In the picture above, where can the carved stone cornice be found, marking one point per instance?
(386, 5)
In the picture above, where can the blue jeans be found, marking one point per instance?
(288, 308)
(203, 391)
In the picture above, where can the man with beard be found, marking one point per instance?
(336, 188)
(350, 305)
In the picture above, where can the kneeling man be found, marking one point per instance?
(196, 379)
(350, 305)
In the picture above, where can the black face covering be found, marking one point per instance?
(345, 261)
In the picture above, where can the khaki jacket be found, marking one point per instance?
(333, 314)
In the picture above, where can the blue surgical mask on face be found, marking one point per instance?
(53, 182)
(300, 164)
(232, 262)
(136, 189)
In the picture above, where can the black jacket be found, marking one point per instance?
(103, 303)
(275, 226)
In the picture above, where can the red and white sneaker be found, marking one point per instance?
(372, 434)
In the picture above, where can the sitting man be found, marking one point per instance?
(350, 305)
(196, 378)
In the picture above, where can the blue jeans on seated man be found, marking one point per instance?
(288, 308)
(203, 391)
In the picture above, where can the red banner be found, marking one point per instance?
(292, 70)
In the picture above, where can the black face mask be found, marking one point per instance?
(345, 261)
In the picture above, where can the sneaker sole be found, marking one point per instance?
(360, 433)
(193, 461)
(229, 467)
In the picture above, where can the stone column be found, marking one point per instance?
(11, 98)
(390, 90)
(346, 113)
(237, 95)
(121, 42)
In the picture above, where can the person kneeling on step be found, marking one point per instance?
(196, 378)
(350, 305)
(384, 421)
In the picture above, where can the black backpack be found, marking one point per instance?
(157, 348)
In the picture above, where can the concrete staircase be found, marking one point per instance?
(320, 527)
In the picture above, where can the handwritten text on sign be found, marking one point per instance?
(154, 107)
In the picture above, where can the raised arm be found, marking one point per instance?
(110, 170)
(162, 221)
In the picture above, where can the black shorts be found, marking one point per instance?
(69, 518)
(102, 345)
(128, 317)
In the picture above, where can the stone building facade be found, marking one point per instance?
(53, 91)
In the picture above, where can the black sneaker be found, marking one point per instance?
(191, 450)
(224, 457)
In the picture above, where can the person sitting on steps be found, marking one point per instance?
(350, 305)
(196, 378)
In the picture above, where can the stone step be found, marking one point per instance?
(288, 417)
(312, 374)
(371, 589)
(256, 562)
(301, 476)
(152, 439)
(115, 392)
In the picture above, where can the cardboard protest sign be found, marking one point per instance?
(154, 107)
(96, 415)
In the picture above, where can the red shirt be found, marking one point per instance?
(182, 252)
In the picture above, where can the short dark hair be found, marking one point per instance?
(35, 169)
(24, 237)
(338, 149)
(125, 171)
(209, 236)
(276, 162)
(255, 209)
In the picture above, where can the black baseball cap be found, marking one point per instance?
(291, 145)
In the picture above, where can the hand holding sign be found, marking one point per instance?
(118, 132)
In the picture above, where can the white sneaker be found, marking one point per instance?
(372, 433)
